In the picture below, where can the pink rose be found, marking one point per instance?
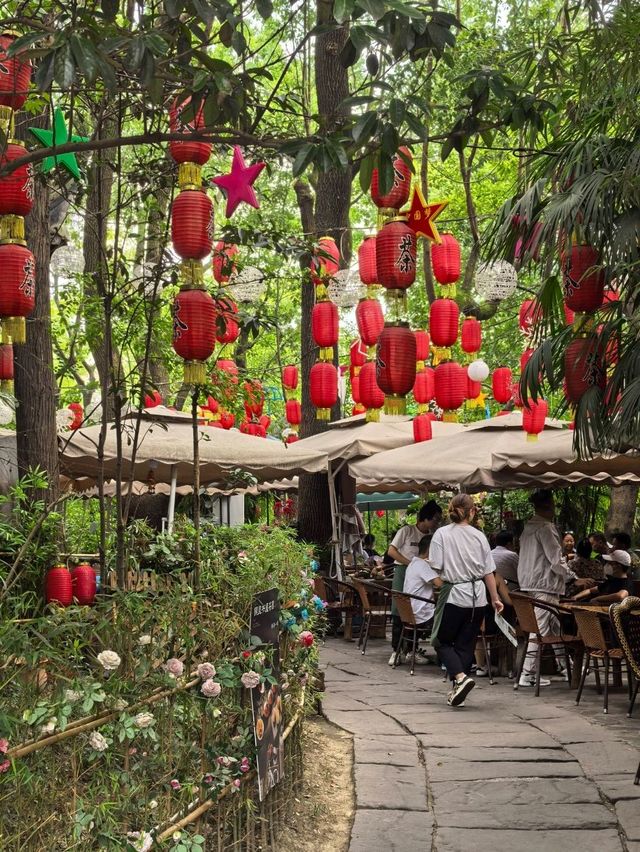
(306, 638)
(211, 688)
(5, 766)
(250, 680)
(206, 671)
(174, 667)
(4, 745)
(245, 765)
(208, 779)
(237, 783)
(175, 784)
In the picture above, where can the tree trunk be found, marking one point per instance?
(622, 511)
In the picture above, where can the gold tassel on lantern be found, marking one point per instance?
(323, 414)
(372, 415)
(395, 405)
(326, 353)
(195, 373)
(12, 230)
(450, 416)
(14, 328)
(189, 176)
(192, 274)
(7, 121)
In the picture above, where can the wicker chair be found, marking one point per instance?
(625, 618)
(525, 607)
(409, 626)
(368, 610)
(597, 648)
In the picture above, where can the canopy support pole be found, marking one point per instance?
(336, 526)
(172, 498)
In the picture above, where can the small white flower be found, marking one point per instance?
(72, 695)
(145, 639)
(206, 671)
(120, 704)
(153, 804)
(142, 841)
(144, 720)
(109, 660)
(98, 742)
(176, 836)
(250, 680)
(49, 728)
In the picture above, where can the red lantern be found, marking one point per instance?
(58, 586)
(16, 188)
(473, 388)
(226, 365)
(326, 260)
(501, 383)
(17, 289)
(293, 412)
(83, 582)
(358, 408)
(422, 345)
(254, 403)
(450, 387)
(367, 261)
(424, 386)
(357, 356)
(370, 394)
(534, 415)
(231, 332)
(445, 260)
(153, 399)
(192, 224)
(584, 367)
(222, 261)
(227, 420)
(323, 387)
(583, 280)
(370, 320)
(398, 195)
(194, 332)
(569, 315)
(188, 152)
(290, 377)
(529, 247)
(6, 365)
(525, 358)
(324, 327)
(355, 389)
(471, 335)
(15, 75)
(443, 322)
(422, 429)
(78, 415)
(396, 365)
(396, 254)
(530, 315)
(265, 421)
(292, 438)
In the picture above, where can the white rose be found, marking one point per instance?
(153, 804)
(98, 742)
(109, 660)
(144, 720)
(120, 704)
(145, 639)
(250, 680)
(49, 728)
(72, 695)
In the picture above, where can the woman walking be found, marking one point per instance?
(463, 556)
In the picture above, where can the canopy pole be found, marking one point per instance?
(196, 488)
(335, 522)
(172, 498)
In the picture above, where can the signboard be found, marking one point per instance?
(268, 726)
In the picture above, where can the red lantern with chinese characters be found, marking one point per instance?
(17, 289)
(254, 401)
(367, 261)
(290, 377)
(445, 259)
(529, 315)
(501, 383)
(188, 152)
(192, 224)
(583, 280)
(424, 387)
(422, 429)
(6, 366)
(395, 366)
(370, 320)
(324, 328)
(58, 586)
(83, 581)
(398, 195)
(534, 415)
(396, 254)
(357, 356)
(15, 75)
(370, 394)
(323, 387)
(584, 367)
(222, 262)
(293, 412)
(443, 322)
(450, 388)
(194, 332)
(471, 335)
(16, 188)
(473, 388)
(423, 343)
(325, 261)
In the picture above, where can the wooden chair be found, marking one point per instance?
(409, 626)
(625, 618)
(597, 648)
(525, 607)
(369, 610)
(342, 599)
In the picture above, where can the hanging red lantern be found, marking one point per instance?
(501, 383)
(153, 399)
(473, 389)
(324, 328)
(6, 366)
(529, 246)
(471, 335)
(534, 415)
(358, 408)
(323, 388)
(293, 412)
(355, 389)
(423, 342)
(15, 75)
(424, 388)
(78, 415)
(192, 151)
(525, 358)
(445, 259)
(194, 332)
(398, 195)
(450, 388)
(367, 261)
(529, 315)
(227, 419)
(370, 320)
(254, 402)
(370, 394)
(422, 429)
(584, 367)
(222, 261)
(265, 421)
(83, 583)
(325, 261)
(16, 188)
(443, 322)
(583, 279)
(58, 586)
(17, 289)
(396, 254)
(396, 366)
(230, 333)
(290, 377)
(226, 365)
(192, 224)
(292, 438)
(569, 315)
(357, 356)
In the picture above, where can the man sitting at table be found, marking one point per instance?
(614, 588)
(420, 580)
(506, 559)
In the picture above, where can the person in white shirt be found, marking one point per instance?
(506, 558)
(421, 580)
(463, 556)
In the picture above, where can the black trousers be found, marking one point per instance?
(457, 636)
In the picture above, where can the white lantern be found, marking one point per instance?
(64, 419)
(247, 285)
(478, 371)
(496, 281)
(345, 287)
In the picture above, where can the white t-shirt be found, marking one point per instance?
(406, 541)
(461, 552)
(418, 581)
(506, 562)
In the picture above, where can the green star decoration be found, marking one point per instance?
(56, 137)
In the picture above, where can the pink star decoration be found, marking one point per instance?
(237, 185)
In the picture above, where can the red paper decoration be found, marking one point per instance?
(501, 383)
(396, 255)
(192, 224)
(355, 389)
(584, 367)
(290, 377)
(226, 365)
(370, 320)
(6, 366)
(194, 332)
(398, 195)
(15, 75)
(396, 365)
(424, 386)
(323, 387)
(472, 388)
(445, 260)
(423, 342)
(370, 394)
(227, 420)
(326, 260)
(422, 429)
(292, 438)
(529, 315)
(525, 358)
(16, 188)
(83, 583)
(293, 412)
(443, 322)
(78, 415)
(357, 356)
(254, 401)
(471, 335)
(534, 415)
(58, 586)
(230, 333)
(367, 265)
(17, 290)
(583, 280)
(188, 152)
(450, 387)
(222, 261)
(324, 327)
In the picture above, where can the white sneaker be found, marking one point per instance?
(461, 689)
(481, 673)
(392, 659)
(563, 674)
(531, 681)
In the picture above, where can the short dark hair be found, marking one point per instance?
(369, 539)
(503, 538)
(598, 536)
(542, 499)
(423, 546)
(429, 511)
(583, 548)
(623, 539)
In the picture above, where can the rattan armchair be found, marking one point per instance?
(625, 618)
(597, 648)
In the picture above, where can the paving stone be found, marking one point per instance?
(468, 770)
(539, 708)
(628, 814)
(619, 787)
(604, 758)
(400, 751)
(491, 796)
(576, 730)
(342, 702)
(390, 787)
(530, 817)
(527, 738)
(391, 831)
(489, 840)
(366, 723)
(479, 753)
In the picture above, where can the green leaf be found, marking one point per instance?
(416, 126)
(348, 54)
(108, 74)
(359, 38)
(265, 8)
(304, 156)
(390, 140)
(206, 14)
(366, 170)
(403, 9)
(375, 8)
(342, 10)
(156, 43)
(385, 173)
(85, 56)
(365, 127)
(173, 8)
(44, 75)
(64, 69)
(23, 42)
(397, 111)
(358, 100)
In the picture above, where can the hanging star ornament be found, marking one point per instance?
(422, 216)
(59, 135)
(237, 186)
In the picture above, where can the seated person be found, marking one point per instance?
(505, 558)
(584, 567)
(369, 546)
(569, 546)
(420, 580)
(613, 588)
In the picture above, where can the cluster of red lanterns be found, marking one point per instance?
(63, 585)
(323, 378)
(17, 282)
(370, 320)
(255, 421)
(293, 409)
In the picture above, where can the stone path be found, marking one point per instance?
(505, 772)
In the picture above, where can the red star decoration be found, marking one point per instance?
(422, 216)
(237, 185)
